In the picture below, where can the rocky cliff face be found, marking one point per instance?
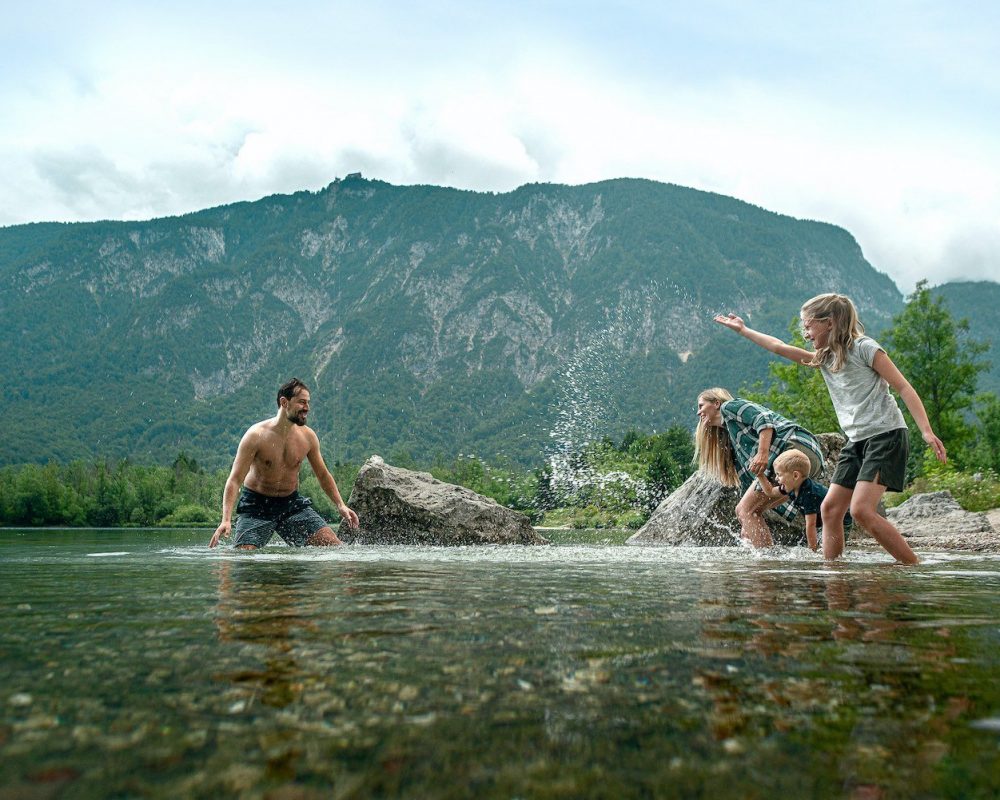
(428, 320)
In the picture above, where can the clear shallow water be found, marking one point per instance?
(142, 664)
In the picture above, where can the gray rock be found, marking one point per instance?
(936, 520)
(699, 512)
(702, 512)
(399, 506)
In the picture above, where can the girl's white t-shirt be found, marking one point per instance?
(861, 397)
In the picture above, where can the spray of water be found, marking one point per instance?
(586, 403)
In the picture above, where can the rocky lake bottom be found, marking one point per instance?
(143, 664)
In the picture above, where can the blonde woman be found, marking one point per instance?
(736, 441)
(858, 374)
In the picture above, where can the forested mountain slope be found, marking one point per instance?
(427, 320)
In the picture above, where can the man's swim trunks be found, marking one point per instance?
(292, 517)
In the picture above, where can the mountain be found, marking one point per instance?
(979, 303)
(428, 321)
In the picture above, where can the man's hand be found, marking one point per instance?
(731, 321)
(349, 515)
(222, 530)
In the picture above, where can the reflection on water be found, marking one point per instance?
(142, 664)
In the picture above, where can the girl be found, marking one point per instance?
(736, 442)
(858, 374)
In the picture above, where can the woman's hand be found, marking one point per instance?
(758, 463)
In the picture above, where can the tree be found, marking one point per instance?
(940, 361)
(797, 392)
(985, 453)
(671, 462)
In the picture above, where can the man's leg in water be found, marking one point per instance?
(307, 528)
(324, 537)
(250, 533)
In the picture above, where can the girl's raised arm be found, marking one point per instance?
(890, 372)
(775, 345)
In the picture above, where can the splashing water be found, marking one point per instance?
(586, 402)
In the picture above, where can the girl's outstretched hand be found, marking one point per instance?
(731, 321)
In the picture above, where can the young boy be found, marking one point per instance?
(792, 468)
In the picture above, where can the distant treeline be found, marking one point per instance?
(100, 495)
(103, 495)
(628, 477)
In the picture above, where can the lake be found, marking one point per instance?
(143, 664)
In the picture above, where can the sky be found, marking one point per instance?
(882, 117)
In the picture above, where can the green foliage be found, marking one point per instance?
(974, 491)
(942, 363)
(592, 517)
(796, 392)
(984, 453)
(506, 484)
(96, 495)
(190, 515)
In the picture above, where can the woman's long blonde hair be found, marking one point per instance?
(712, 449)
(845, 327)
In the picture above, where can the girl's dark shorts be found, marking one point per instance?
(878, 459)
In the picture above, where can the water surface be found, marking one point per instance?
(142, 664)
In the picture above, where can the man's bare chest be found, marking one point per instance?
(279, 454)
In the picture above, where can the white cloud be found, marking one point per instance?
(804, 120)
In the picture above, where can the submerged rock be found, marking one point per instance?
(702, 512)
(936, 520)
(399, 506)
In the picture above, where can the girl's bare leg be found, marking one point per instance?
(864, 508)
(836, 504)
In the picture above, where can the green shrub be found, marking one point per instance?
(190, 515)
(978, 491)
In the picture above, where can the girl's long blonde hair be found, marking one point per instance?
(712, 449)
(845, 327)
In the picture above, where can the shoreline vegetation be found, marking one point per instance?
(608, 487)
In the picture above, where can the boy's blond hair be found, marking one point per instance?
(845, 327)
(793, 461)
(712, 449)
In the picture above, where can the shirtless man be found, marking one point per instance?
(267, 466)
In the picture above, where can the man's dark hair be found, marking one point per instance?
(290, 389)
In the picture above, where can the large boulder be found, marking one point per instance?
(399, 506)
(936, 520)
(702, 512)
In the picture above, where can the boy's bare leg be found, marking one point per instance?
(864, 508)
(836, 504)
